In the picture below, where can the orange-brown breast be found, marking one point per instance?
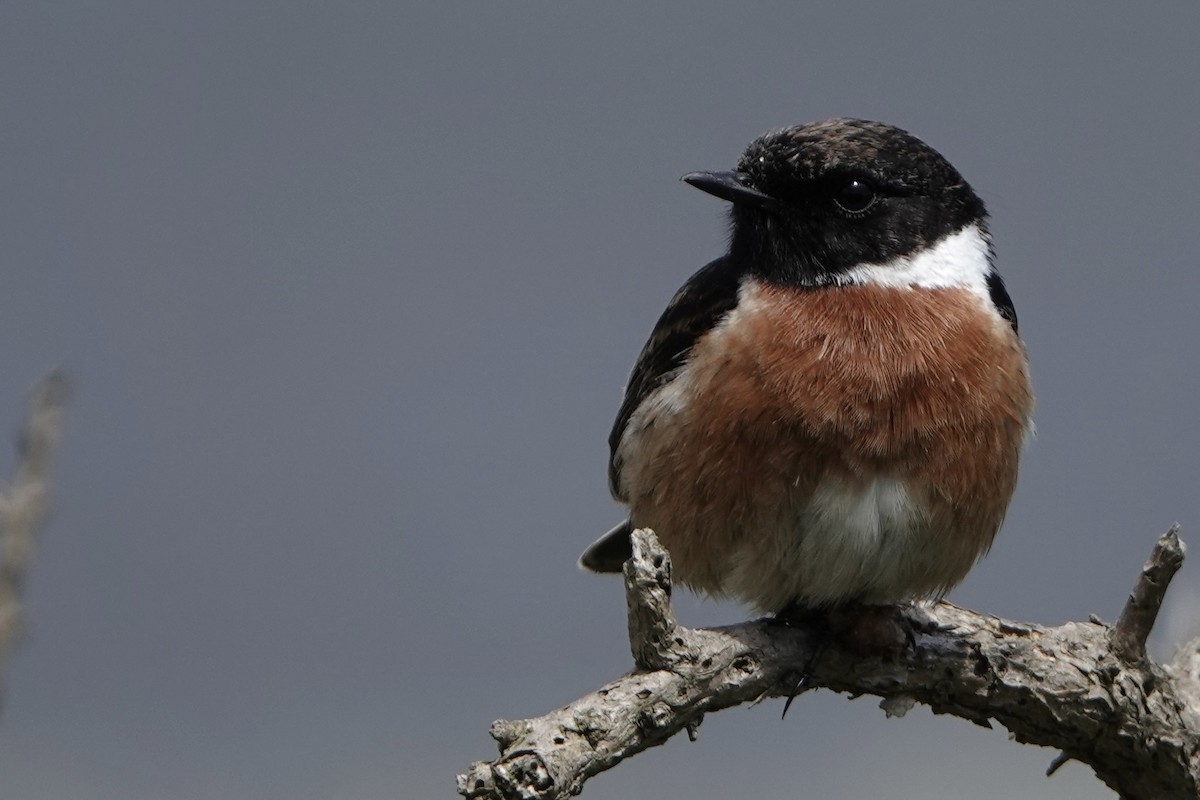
(901, 409)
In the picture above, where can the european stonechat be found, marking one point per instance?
(831, 412)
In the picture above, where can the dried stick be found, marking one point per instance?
(24, 503)
(1141, 609)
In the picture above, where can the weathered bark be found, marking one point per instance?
(1084, 687)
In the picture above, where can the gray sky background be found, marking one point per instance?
(349, 293)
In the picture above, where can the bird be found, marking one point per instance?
(832, 412)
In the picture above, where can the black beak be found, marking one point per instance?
(729, 186)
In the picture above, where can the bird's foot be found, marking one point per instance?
(874, 631)
(864, 630)
(816, 623)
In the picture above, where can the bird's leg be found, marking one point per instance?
(817, 622)
(865, 630)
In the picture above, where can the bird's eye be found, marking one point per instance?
(854, 196)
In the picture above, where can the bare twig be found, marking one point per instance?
(1061, 687)
(648, 595)
(24, 503)
(1141, 609)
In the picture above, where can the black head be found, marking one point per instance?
(812, 201)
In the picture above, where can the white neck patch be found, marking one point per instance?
(960, 261)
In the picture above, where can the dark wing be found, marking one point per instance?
(1001, 300)
(693, 311)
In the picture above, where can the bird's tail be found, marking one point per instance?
(610, 552)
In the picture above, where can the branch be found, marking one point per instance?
(24, 503)
(1083, 688)
(1141, 609)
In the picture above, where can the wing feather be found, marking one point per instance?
(694, 310)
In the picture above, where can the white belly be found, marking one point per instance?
(870, 542)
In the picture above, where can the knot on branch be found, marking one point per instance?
(522, 776)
